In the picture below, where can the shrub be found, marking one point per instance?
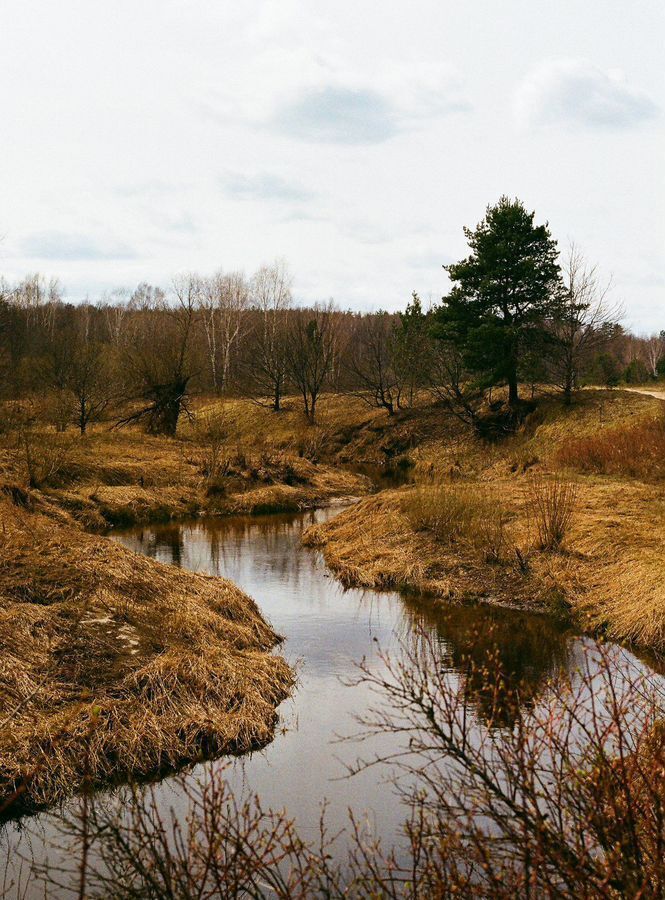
(605, 370)
(56, 408)
(46, 456)
(636, 372)
(551, 507)
(311, 442)
(637, 450)
(459, 513)
(14, 417)
(212, 431)
(566, 802)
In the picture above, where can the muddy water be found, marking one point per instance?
(327, 630)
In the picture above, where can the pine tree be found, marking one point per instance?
(504, 294)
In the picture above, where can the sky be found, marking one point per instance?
(354, 139)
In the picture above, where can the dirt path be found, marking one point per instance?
(660, 395)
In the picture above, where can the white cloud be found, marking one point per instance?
(59, 245)
(329, 134)
(324, 99)
(575, 92)
(265, 186)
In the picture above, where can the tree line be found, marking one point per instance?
(520, 315)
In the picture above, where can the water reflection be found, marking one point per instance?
(505, 656)
(486, 645)
(327, 631)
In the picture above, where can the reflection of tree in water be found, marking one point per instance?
(169, 538)
(232, 541)
(505, 656)
(228, 543)
(159, 542)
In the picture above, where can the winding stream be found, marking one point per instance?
(327, 629)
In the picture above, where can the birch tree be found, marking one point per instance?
(223, 302)
(267, 366)
(586, 323)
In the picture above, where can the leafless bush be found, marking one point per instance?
(567, 800)
(57, 408)
(551, 508)
(14, 417)
(214, 846)
(45, 455)
(310, 442)
(212, 431)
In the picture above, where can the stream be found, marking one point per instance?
(328, 630)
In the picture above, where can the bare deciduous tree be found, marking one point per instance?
(370, 362)
(90, 380)
(587, 322)
(158, 357)
(311, 352)
(452, 385)
(654, 351)
(223, 300)
(267, 366)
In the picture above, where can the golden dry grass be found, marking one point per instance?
(116, 664)
(609, 573)
(635, 449)
(148, 667)
(120, 477)
(454, 452)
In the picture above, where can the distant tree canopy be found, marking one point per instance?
(512, 318)
(503, 295)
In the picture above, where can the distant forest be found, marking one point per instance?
(521, 317)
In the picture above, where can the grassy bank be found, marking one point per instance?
(483, 520)
(114, 665)
(122, 477)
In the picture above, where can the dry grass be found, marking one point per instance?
(376, 544)
(121, 477)
(620, 537)
(113, 663)
(459, 513)
(636, 450)
(609, 577)
(442, 449)
(551, 507)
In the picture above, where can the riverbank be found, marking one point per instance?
(123, 477)
(604, 573)
(113, 665)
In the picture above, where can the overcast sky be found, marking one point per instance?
(145, 137)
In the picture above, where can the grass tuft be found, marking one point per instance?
(551, 507)
(469, 514)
